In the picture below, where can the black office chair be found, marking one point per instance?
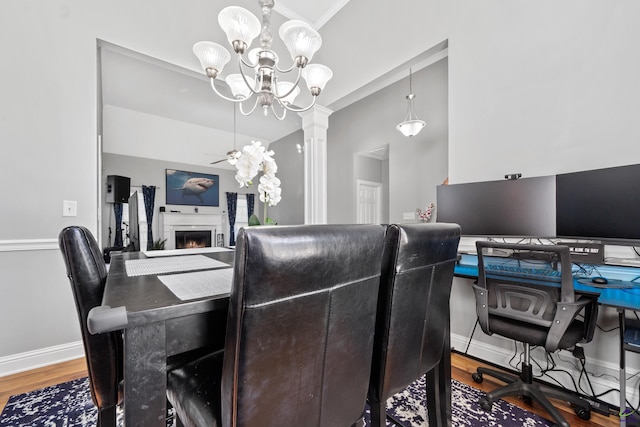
(299, 332)
(87, 273)
(536, 311)
(413, 314)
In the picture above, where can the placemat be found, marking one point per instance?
(199, 284)
(174, 264)
(189, 251)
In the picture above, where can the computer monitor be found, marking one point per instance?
(600, 204)
(519, 208)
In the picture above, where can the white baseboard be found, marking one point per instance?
(606, 372)
(38, 358)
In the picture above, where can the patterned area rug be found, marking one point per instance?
(69, 405)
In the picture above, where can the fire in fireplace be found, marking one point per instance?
(193, 239)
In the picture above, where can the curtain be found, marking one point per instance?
(149, 196)
(250, 204)
(117, 210)
(232, 203)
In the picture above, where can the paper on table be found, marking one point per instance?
(141, 267)
(189, 251)
(199, 284)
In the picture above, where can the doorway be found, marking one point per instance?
(369, 210)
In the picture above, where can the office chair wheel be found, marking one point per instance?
(582, 413)
(486, 404)
(477, 377)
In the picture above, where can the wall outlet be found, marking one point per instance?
(69, 208)
(408, 215)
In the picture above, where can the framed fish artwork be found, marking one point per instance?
(192, 188)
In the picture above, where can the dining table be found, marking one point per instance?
(166, 303)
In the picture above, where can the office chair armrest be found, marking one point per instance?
(566, 312)
(482, 308)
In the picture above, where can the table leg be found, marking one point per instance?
(439, 387)
(623, 378)
(145, 375)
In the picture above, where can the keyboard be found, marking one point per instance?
(626, 262)
(545, 274)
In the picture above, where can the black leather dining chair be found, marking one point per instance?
(545, 312)
(87, 273)
(413, 315)
(299, 332)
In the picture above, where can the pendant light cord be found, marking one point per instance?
(410, 79)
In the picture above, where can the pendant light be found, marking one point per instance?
(411, 125)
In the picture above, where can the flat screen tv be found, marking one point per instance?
(192, 188)
(519, 208)
(600, 204)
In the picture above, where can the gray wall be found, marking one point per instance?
(290, 210)
(152, 172)
(415, 165)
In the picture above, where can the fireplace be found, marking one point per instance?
(173, 222)
(193, 239)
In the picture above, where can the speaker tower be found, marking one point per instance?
(118, 189)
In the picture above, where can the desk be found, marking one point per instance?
(618, 298)
(157, 325)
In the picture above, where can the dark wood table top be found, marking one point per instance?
(137, 300)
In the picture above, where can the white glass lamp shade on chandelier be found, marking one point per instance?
(260, 72)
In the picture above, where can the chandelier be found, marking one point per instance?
(259, 72)
(411, 125)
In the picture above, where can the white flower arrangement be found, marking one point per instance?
(252, 160)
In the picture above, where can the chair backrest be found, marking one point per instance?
(526, 292)
(87, 273)
(413, 306)
(300, 324)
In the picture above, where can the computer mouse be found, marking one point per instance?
(600, 280)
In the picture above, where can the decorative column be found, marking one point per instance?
(315, 123)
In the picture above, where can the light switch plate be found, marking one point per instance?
(409, 215)
(69, 208)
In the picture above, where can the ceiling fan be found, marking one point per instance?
(234, 151)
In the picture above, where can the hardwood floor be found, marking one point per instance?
(38, 378)
(462, 367)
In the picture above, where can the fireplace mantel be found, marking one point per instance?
(172, 221)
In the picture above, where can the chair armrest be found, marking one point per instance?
(482, 308)
(566, 312)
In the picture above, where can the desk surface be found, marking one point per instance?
(628, 299)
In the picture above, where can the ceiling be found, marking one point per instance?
(133, 81)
